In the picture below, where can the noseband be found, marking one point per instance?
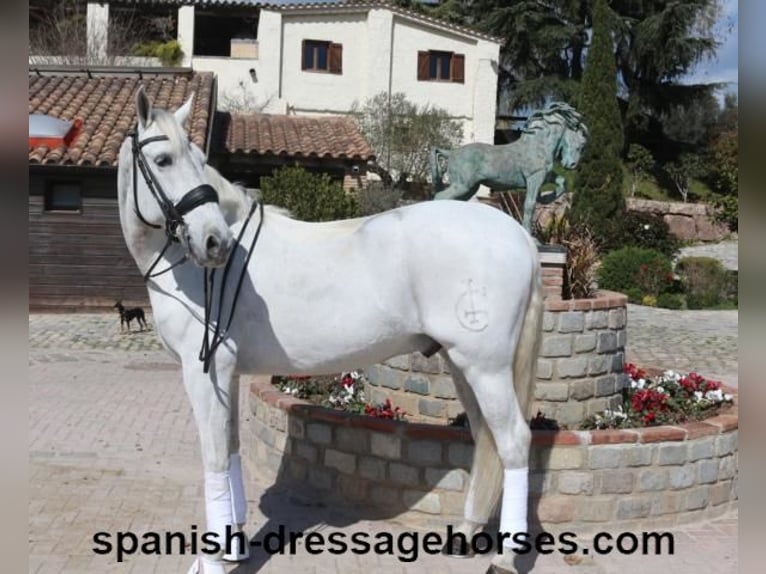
(174, 213)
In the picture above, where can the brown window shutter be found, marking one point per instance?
(336, 58)
(458, 68)
(423, 59)
(303, 55)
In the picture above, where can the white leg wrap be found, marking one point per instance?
(513, 513)
(238, 500)
(218, 503)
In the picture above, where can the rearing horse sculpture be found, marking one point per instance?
(555, 130)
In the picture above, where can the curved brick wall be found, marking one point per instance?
(579, 372)
(582, 357)
(417, 473)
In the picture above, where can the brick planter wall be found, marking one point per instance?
(582, 355)
(579, 371)
(417, 473)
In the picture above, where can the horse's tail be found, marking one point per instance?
(528, 346)
(436, 172)
(485, 495)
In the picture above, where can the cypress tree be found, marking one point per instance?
(598, 201)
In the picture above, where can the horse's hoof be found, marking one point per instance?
(495, 569)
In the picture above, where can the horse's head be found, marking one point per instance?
(572, 143)
(573, 132)
(169, 186)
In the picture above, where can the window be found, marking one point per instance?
(63, 196)
(321, 56)
(435, 66)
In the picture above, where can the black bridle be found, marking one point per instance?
(174, 226)
(173, 213)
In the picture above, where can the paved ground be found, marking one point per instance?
(113, 448)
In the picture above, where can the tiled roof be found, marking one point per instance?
(330, 137)
(106, 104)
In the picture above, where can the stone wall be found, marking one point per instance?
(582, 354)
(579, 371)
(417, 473)
(421, 386)
(687, 221)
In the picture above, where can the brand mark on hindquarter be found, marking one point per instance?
(471, 308)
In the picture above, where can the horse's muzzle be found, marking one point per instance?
(217, 248)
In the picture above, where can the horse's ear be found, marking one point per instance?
(143, 108)
(183, 112)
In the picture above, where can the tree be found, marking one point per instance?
(656, 43)
(641, 163)
(401, 133)
(598, 199)
(687, 167)
(58, 33)
(543, 46)
(723, 162)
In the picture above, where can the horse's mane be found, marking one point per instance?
(555, 113)
(232, 197)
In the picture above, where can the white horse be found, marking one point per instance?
(318, 298)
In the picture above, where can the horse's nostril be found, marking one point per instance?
(212, 244)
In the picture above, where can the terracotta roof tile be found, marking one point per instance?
(296, 136)
(106, 104)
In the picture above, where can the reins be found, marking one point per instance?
(174, 223)
(209, 346)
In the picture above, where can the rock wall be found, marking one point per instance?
(687, 221)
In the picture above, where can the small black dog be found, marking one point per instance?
(127, 315)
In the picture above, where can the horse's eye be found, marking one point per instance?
(163, 160)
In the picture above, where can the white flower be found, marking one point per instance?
(716, 395)
(727, 397)
(641, 383)
(661, 390)
(698, 396)
(647, 226)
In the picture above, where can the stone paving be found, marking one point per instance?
(113, 448)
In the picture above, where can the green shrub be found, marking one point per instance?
(629, 268)
(638, 229)
(705, 281)
(376, 197)
(634, 295)
(169, 53)
(669, 301)
(308, 196)
(732, 287)
(726, 211)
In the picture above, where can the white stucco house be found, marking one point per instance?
(315, 58)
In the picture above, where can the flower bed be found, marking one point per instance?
(417, 473)
(665, 398)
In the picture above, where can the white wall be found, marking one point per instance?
(322, 92)
(412, 37)
(380, 51)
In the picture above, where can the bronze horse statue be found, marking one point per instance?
(555, 131)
